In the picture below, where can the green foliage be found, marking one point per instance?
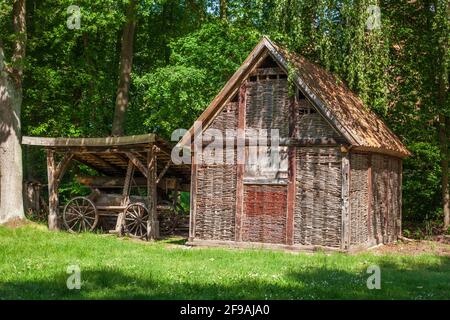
(173, 96)
(170, 98)
(421, 183)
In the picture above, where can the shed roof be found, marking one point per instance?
(107, 155)
(361, 127)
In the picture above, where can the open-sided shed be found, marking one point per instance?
(121, 161)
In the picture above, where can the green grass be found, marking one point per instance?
(33, 264)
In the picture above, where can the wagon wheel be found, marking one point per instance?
(136, 218)
(80, 214)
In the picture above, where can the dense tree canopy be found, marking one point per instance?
(185, 50)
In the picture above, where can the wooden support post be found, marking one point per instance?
(163, 172)
(400, 187)
(345, 241)
(55, 172)
(142, 168)
(369, 199)
(125, 193)
(240, 165)
(292, 173)
(193, 198)
(152, 224)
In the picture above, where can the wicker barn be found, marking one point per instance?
(338, 185)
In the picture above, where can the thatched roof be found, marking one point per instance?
(342, 107)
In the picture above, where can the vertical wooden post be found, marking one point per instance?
(240, 165)
(369, 198)
(345, 201)
(53, 201)
(400, 187)
(193, 198)
(152, 224)
(55, 173)
(292, 173)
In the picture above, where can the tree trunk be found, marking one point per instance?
(442, 105)
(443, 141)
(126, 63)
(223, 9)
(11, 197)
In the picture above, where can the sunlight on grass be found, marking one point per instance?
(33, 264)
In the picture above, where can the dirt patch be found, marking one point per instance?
(16, 223)
(415, 248)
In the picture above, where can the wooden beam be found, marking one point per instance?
(89, 142)
(240, 166)
(163, 172)
(193, 202)
(100, 170)
(152, 195)
(292, 175)
(62, 166)
(400, 187)
(104, 162)
(142, 168)
(345, 241)
(53, 202)
(55, 173)
(369, 197)
(125, 194)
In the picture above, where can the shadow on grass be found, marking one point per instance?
(420, 281)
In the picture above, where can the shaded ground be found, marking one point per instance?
(415, 248)
(34, 262)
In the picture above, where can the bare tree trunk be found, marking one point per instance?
(126, 63)
(443, 141)
(11, 176)
(442, 100)
(223, 9)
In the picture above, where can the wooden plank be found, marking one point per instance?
(240, 166)
(142, 168)
(261, 245)
(345, 202)
(103, 162)
(92, 142)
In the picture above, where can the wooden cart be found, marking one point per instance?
(124, 163)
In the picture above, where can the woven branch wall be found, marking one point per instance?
(317, 214)
(216, 189)
(268, 105)
(359, 199)
(264, 216)
(310, 124)
(386, 198)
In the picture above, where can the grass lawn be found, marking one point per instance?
(34, 261)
